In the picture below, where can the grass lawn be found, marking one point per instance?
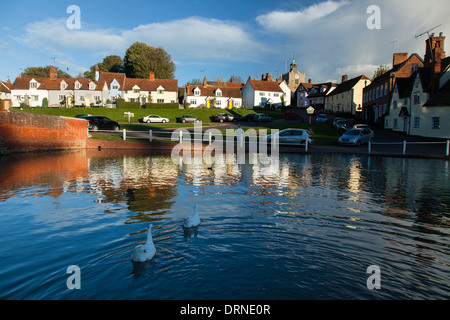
(118, 114)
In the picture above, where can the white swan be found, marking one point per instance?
(192, 221)
(144, 252)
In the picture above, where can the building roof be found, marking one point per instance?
(110, 76)
(208, 91)
(151, 85)
(441, 98)
(348, 85)
(259, 85)
(55, 84)
(327, 87)
(307, 85)
(5, 87)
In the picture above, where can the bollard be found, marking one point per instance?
(448, 148)
(306, 145)
(370, 147)
(210, 138)
(124, 134)
(181, 136)
(150, 135)
(404, 147)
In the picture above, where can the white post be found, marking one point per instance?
(306, 145)
(210, 137)
(370, 146)
(448, 148)
(124, 134)
(150, 135)
(404, 147)
(181, 136)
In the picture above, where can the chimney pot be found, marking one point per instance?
(152, 75)
(344, 78)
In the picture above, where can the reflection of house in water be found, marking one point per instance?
(146, 183)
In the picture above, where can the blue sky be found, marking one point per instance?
(218, 39)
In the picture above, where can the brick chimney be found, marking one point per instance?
(309, 80)
(399, 58)
(344, 78)
(436, 68)
(53, 73)
(435, 42)
(232, 79)
(205, 83)
(152, 75)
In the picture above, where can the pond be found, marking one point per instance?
(306, 227)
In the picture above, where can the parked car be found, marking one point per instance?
(342, 125)
(261, 117)
(82, 115)
(221, 117)
(322, 118)
(356, 137)
(101, 123)
(153, 118)
(289, 115)
(291, 136)
(336, 120)
(187, 118)
(248, 117)
(361, 126)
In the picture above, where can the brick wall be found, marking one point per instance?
(23, 131)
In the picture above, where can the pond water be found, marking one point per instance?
(307, 227)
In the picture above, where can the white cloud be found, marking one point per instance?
(192, 38)
(295, 21)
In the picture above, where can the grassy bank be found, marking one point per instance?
(117, 114)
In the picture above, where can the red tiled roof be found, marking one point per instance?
(271, 86)
(5, 87)
(209, 91)
(55, 84)
(110, 76)
(151, 85)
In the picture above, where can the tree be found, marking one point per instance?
(380, 71)
(43, 72)
(110, 63)
(141, 59)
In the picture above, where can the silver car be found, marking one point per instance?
(356, 137)
(291, 136)
(154, 119)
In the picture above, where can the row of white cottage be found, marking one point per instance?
(106, 88)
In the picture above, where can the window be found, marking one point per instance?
(262, 94)
(395, 123)
(218, 93)
(63, 85)
(160, 91)
(33, 85)
(91, 86)
(136, 90)
(416, 99)
(416, 122)
(276, 94)
(35, 98)
(414, 67)
(197, 92)
(218, 103)
(160, 100)
(405, 102)
(395, 104)
(81, 98)
(194, 101)
(132, 100)
(97, 98)
(378, 92)
(115, 87)
(60, 97)
(77, 85)
(435, 122)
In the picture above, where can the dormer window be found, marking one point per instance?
(33, 85)
(77, 85)
(136, 89)
(196, 91)
(218, 93)
(160, 90)
(91, 86)
(63, 85)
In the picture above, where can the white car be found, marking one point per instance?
(154, 119)
(356, 137)
(291, 136)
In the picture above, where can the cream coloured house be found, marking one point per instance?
(348, 96)
(151, 90)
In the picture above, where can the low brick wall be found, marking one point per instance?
(23, 132)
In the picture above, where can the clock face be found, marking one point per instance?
(296, 76)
